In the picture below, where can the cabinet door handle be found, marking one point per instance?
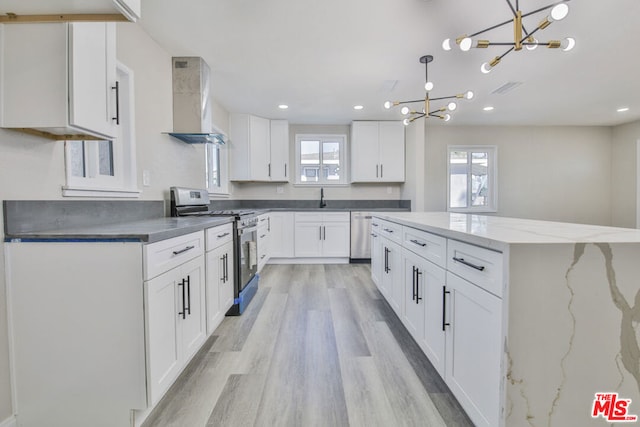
(183, 313)
(189, 295)
(376, 171)
(324, 233)
(444, 307)
(117, 89)
(468, 264)
(320, 230)
(418, 297)
(285, 170)
(418, 243)
(263, 236)
(181, 251)
(269, 170)
(262, 257)
(374, 225)
(381, 171)
(374, 235)
(220, 236)
(223, 267)
(226, 268)
(413, 284)
(388, 230)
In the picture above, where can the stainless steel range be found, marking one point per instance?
(195, 202)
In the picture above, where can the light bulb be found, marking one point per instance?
(568, 44)
(406, 122)
(469, 95)
(446, 44)
(465, 44)
(428, 86)
(447, 117)
(404, 111)
(559, 12)
(388, 104)
(452, 106)
(532, 46)
(486, 68)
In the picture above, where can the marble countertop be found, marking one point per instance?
(146, 231)
(496, 232)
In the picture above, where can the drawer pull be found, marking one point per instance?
(444, 308)
(375, 225)
(181, 251)
(418, 243)
(388, 230)
(263, 236)
(374, 235)
(220, 236)
(468, 264)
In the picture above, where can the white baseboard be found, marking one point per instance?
(308, 261)
(9, 422)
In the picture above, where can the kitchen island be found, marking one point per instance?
(525, 320)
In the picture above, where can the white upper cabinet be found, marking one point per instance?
(377, 151)
(129, 9)
(259, 148)
(60, 79)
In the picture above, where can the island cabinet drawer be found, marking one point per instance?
(167, 254)
(480, 266)
(390, 230)
(217, 236)
(427, 245)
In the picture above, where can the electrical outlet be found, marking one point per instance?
(146, 178)
(280, 189)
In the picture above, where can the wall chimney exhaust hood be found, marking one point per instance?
(191, 102)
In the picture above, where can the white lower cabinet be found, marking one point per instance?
(376, 255)
(473, 368)
(424, 284)
(392, 275)
(175, 323)
(281, 242)
(264, 240)
(219, 292)
(322, 234)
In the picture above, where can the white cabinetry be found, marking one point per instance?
(392, 275)
(264, 240)
(376, 252)
(259, 148)
(322, 234)
(377, 151)
(281, 241)
(219, 268)
(60, 79)
(175, 313)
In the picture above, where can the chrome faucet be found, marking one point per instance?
(322, 203)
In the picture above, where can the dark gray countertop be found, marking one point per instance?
(145, 231)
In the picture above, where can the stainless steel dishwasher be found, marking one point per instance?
(360, 236)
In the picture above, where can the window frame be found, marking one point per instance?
(221, 190)
(492, 178)
(342, 141)
(123, 183)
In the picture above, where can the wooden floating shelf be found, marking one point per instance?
(12, 18)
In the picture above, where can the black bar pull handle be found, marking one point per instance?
(381, 172)
(183, 313)
(388, 230)
(285, 170)
(468, 264)
(418, 243)
(117, 89)
(226, 268)
(374, 225)
(320, 229)
(376, 171)
(223, 268)
(418, 297)
(444, 308)
(413, 284)
(220, 236)
(181, 251)
(189, 295)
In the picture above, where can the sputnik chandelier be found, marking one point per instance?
(426, 112)
(522, 37)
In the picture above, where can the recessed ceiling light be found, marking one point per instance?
(283, 106)
(623, 109)
(488, 108)
(358, 107)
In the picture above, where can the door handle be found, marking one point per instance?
(183, 313)
(413, 284)
(181, 251)
(381, 171)
(418, 243)
(189, 295)
(376, 171)
(117, 89)
(468, 264)
(444, 307)
(418, 273)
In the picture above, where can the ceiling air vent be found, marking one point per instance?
(507, 87)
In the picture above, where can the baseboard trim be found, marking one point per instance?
(308, 261)
(9, 422)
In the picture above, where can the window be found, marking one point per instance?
(105, 168)
(217, 169)
(472, 179)
(321, 159)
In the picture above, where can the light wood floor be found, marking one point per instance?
(318, 346)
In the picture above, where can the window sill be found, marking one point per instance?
(95, 192)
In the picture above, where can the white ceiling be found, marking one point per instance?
(323, 57)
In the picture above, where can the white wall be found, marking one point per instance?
(292, 191)
(558, 173)
(624, 177)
